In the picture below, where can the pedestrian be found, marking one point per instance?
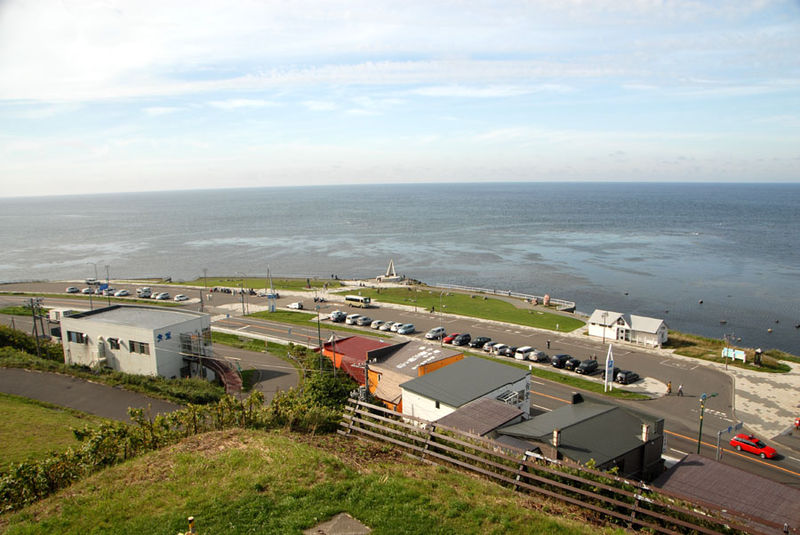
(548, 344)
(680, 390)
(669, 388)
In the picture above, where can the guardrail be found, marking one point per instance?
(616, 500)
(561, 304)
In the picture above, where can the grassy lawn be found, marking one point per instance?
(253, 482)
(710, 349)
(20, 310)
(260, 283)
(574, 381)
(306, 319)
(31, 429)
(474, 305)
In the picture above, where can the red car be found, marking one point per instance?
(751, 444)
(449, 338)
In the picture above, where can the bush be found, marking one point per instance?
(19, 340)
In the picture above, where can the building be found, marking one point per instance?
(652, 332)
(413, 359)
(482, 417)
(352, 353)
(608, 435)
(140, 340)
(755, 501)
(441, 392)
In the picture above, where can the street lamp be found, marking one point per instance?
(242, 289)
(703, 399)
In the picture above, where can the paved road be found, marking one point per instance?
(66, 391)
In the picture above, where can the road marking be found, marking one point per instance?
(537, 383)
(540, 407)
(793, 458)
(551, 397)
(678, 451)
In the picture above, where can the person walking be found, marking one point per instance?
(669, 388)
(548, 344)
(680, 390)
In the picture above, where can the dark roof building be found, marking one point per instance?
(482, 416)
(351, 353)
(753, 500)
(607, 434)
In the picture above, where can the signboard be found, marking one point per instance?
(735, 354)
(608, 380)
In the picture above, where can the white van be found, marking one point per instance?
(351, 319)
(497, 347)
(436, 333)
(523, 352)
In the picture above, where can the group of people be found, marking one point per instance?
(669, 389)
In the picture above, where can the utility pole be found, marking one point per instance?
(108, 285)
(319, 338)
(34, 303)
(703, 399)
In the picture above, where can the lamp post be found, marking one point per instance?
(242, 290)
(605, 320)
(703, 399)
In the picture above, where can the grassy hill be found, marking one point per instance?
(239, 481)
(31, 429)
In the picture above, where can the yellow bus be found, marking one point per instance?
(357, 301)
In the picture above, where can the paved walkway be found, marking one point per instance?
(67, 391)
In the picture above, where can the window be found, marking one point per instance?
(139, 347)
(113, 343)
(77, 338)
(437, 404)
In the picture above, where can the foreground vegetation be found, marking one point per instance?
(473, 305)
(710, 349)
(32, 429)
(247, 481)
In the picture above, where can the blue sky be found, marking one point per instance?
(151, 95)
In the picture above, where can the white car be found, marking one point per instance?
(163, 296)
(377, 324)
(406, 328)
(436, 333)
(87, 291)
(386, 326)
(122, 293)
(181, 297)
(297, 305)
(352, 318)
(395, 326)
(72, 290)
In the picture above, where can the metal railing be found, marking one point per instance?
(561, 304)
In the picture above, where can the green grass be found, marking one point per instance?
(306, 319)
(474, 305)
(260, 283)
(32, 429)
(710, 349)
(20, 310)
(573, 381)
(236, 482)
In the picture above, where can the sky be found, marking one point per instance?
(140, 95)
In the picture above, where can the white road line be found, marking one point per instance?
(540, 407)
(794, 458)
(678, 451)
(537, 382)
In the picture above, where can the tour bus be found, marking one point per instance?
(357, 301)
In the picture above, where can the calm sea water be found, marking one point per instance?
(650, 249)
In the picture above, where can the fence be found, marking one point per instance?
(629, 503)
(561, 304)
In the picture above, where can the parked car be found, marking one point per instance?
(507, 351)
(297, 305)
(337, 316)
(395, 326)
(614, 373)
(626, 377)
(538, 356)
(181, 297)
(497, 348)
(98, 291)
(377, 324)
(91, 281)
(109, 291)
(72, 290)
(406, 328)
(523, 352)
(144, 292)
(462, 339)
(572, 363)
(751, 444)
(558, 361)
(363, 321)
(122, 293)
(449, 338)
(488, 346)
(436, 333)
(386, 326)
(479, 342)
(587, 367)
(87, 291)
(162, 296)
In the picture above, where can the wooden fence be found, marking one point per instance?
(628, 503)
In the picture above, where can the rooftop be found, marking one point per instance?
(410, 357)
(463, 381)
(149, 317)
(481, 416)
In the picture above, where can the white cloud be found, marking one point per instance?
(236, 103)
(320, 105)
(156, 111)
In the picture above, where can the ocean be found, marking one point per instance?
(652, 249)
